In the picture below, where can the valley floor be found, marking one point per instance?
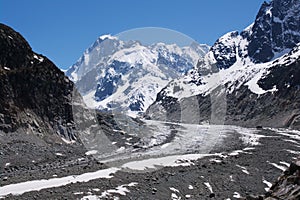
(241, 162)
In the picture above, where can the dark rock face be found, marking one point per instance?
(276, 28)
(34, 93)
(225, 54)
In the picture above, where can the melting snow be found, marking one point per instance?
(175, 197)
(174, 189)
(244, 169)
(269, 185)
(36, 185)
(208, 186)
(282, 168)
(175, 160)
(236, 195)
(285, 163)
(91, 152)
(90, 197)
(39, 58)
(122, 190)
(190, 187)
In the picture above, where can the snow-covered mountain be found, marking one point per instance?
(240, 66)
(127, 75)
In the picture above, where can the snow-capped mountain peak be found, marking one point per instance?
(126, 75)
(256, 67)
(108, 36)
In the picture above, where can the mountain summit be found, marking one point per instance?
(275, 32)
(257, 71)
(125, 76)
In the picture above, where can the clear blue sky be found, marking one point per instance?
(63, 29)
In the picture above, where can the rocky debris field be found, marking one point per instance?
(233, 169)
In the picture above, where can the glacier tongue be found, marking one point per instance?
(125, 76)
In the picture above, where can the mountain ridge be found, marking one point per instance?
(244, 80)
(125, 76)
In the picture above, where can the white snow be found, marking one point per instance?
(293, 151)
(174, 189)
(78, 193)
(67, 141)
(285, 163)
(282, 168)
(7, 164)
(39, 58)
(108, 36)
(242, 72)
(208, 186)
(7, 68)
(269, 185)
(215, 160)
(122, 190)
(36, 185)
(236, 195)
(293, 134)
(244, 169)
(235, 153)
(175, 160)
(191, 187)
(175, 197)
(91, 152)
(90, 197)
(145, 78)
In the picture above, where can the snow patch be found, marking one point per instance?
(208, 186)
(269, 185)
(282, 168)
(237, 195)
(91, 152)
(172, 161)
(36, 185)
(122, 190)
(39, 58)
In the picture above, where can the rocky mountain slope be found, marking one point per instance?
(249, 79)
(35, 96)
(126, 75)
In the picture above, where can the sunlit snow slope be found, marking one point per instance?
(126, 75)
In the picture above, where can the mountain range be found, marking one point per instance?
(125, 76)
(123, 121)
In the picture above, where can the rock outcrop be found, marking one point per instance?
(35, 96)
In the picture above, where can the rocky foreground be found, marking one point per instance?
(237, 167)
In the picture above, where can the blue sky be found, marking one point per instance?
(63, 29)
